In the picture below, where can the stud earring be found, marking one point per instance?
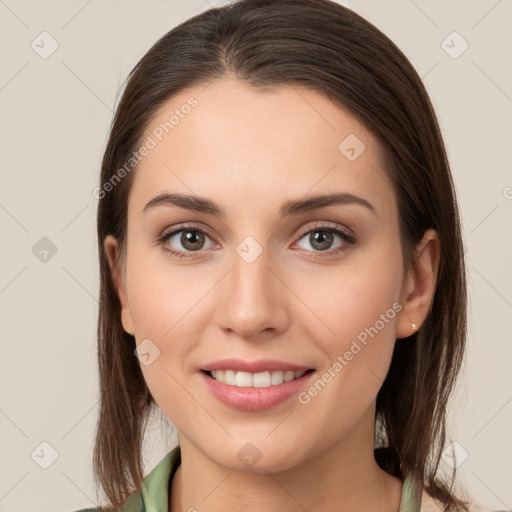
(413, 325)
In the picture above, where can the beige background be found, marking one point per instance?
(55, 113)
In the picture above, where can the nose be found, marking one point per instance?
(254, 299)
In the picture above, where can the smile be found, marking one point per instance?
(255, 380)
(252, 392)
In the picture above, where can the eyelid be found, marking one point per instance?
(301, 232)
(319, 225)
(187, 225)
(324, 225)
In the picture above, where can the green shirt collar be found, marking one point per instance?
(154, 493)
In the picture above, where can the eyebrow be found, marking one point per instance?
(291, 207)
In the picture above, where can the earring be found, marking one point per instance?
(413, 325)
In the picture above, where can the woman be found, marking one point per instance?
(282, 270)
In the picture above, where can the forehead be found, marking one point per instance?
(250, 146)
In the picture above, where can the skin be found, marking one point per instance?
(249, 151)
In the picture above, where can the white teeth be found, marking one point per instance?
(255, 380)
(288, 376)
(243, 379)
(261, 380)
(277, 377)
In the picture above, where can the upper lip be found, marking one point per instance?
(260, 365)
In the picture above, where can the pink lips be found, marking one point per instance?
(249, 398)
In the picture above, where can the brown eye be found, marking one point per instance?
(321, 239)
(192, 240)
(184, 241)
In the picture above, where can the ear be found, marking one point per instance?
(111, 249)
(419, 286)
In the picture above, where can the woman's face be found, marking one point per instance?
(316, 286)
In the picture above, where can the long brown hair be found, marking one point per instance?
(335, 52)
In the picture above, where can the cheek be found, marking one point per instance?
(356, 300)
(357, 303)
(171, 307)
(161, 293)
(358, 309)
(363, 303)
(168, 308)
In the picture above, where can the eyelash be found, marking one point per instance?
(348, 240)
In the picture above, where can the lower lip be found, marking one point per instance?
(254, 399)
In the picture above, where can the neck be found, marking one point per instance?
(344, 476)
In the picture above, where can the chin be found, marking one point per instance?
(258, 456)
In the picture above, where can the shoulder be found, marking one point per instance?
(153, 492)
(428, 504)
(97, 509)
(133, 503)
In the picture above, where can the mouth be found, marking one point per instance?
(263, 379)
(251, 392)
